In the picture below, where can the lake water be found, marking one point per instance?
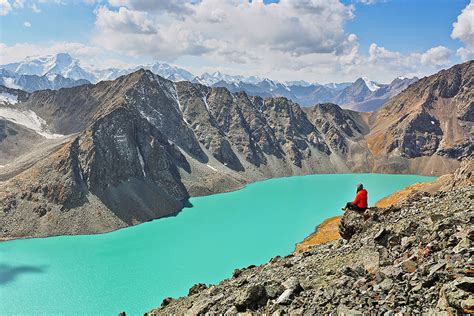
(133, 269)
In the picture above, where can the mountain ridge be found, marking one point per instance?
(362, 95)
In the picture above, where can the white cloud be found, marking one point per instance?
(369, 2)
(463, 29)
(35, 8)
(291, 36)
(433, 57)
(125, 21)
(5, 7)
(172, 6)
(436, 56)
(26, 24)
(464, 53)
(384, 64)
(18, 3)
(378, 54)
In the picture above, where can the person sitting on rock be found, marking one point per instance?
(360, 202)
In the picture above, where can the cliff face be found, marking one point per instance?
(414, 257)
(98, 157)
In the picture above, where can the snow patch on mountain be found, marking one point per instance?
(9, 82)
(6, 97)
(29, 119)
(372, 86)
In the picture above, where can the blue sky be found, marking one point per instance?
(407, 25)
(332, 44)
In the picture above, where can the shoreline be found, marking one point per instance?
(328, 230)
(234, 189)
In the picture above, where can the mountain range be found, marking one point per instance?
(34, 73)
(98, 157)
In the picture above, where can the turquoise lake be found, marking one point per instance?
(133, 269)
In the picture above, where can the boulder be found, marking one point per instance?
(351, 223)
(251, 298)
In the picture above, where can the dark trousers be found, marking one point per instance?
(351, 206)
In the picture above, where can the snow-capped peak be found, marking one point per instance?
(301, 83)
(372, 86)
(61, 64)
(170, 72)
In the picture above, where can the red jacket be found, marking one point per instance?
(361, 199)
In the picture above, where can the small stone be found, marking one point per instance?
(436, 267)
(237, 273)
(465, 284)
(386, 284)
(285, 297)
(292, 283)
(409, 266)
(231, 311)
(166, 301)
(381, 236)
(417, 287)
(407, 241)
(196, 288)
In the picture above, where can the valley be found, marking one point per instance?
(138, 147)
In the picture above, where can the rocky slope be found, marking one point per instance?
(431, 120)
(94, 158)
(415, 257)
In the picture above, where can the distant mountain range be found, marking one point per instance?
(32, 83)
(61, 70)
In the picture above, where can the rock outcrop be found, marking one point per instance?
(415, 257)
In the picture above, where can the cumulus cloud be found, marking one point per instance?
(124, 22)
(5, 7)
(463, 29)
(172, 6)
(35, 8)
(378, 54)
(436, 56)
(391, 64)
(18, 3)
(26, 24)
(236, 31)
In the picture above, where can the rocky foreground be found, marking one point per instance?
(414, 257)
